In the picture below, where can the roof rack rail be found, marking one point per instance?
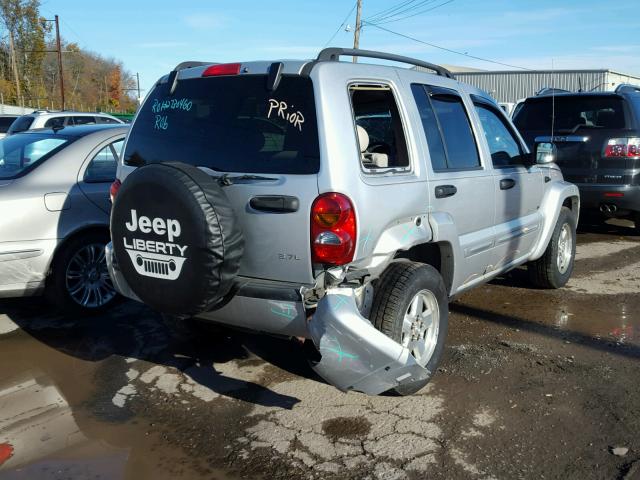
(334, 54)
(191, 64)
(627, 87)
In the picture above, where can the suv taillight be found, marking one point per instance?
(113, 190)
(622, 147)
(333, 229)
(222, 69)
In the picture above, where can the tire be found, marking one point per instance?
(78, 282)
(397, 289)
(636, 221)
(549, 271)
(176, 239)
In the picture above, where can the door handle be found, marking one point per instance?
(275, 203)
(443, 191)
(507, 183)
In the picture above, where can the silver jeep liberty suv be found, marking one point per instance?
(343, 203)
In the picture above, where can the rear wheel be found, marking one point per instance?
(411, 307)
(554, 268)
(636, 221)
(79, 282)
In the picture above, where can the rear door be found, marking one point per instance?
(266, 142)
(461, 186)
(518, 186)
(580, 125)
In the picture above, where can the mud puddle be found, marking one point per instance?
(59, 416)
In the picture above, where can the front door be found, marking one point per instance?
(518, 187)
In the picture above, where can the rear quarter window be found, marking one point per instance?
(229, 124)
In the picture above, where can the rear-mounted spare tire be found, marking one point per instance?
(175, 238)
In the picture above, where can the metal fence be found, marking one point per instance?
(511, 86)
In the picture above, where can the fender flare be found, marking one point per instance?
(550, 208)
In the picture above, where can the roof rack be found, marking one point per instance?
(334, 54)
(627, 88)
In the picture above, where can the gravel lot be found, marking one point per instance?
(534, 384)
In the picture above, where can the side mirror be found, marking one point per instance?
(545, 153)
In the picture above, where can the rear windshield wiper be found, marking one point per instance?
(575, 129)
(226, 179)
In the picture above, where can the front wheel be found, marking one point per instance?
(554, 268)
(411, 307)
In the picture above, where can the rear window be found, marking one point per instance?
(5, 123)
(21, 153)
(571, 113)
(229, 124)
(21, 124)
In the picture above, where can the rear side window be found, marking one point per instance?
(447, 127)
(103, 165)
(229, 124)
(83, 120)
(106, 120)
(54, 122)
(569, 114)
(21, 124)
(376, 113)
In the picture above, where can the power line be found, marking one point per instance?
(390, 10)
(342, 24)
(415, 14)
(444, 48)
(408, 9)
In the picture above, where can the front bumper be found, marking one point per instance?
(626, 198)
(354, 354)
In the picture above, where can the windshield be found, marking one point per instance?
(229, 124)
(571, 113)
(20, 153)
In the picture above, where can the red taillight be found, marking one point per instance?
(113, 190)
(613, 194)
(333, 229)
(222, 69)
(622, 147)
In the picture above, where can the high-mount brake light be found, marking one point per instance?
(622, 147)
(113, 189)
(333, 229)
(222, 69)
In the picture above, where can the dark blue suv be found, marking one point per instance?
(597, 136)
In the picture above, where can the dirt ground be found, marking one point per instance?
(534, 384)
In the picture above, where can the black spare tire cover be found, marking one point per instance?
(175, 238)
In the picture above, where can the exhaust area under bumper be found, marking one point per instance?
(354, 354)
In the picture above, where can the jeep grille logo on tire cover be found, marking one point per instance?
(151, 258)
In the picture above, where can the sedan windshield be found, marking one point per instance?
(20, 153)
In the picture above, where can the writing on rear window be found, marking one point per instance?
(160, 106)
(280, 109)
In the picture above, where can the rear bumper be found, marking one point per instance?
(625, 197)
(354, 355)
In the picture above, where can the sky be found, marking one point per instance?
(151, 37)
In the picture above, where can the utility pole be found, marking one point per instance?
(138, 85)
(356, 32)
(60, 61)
